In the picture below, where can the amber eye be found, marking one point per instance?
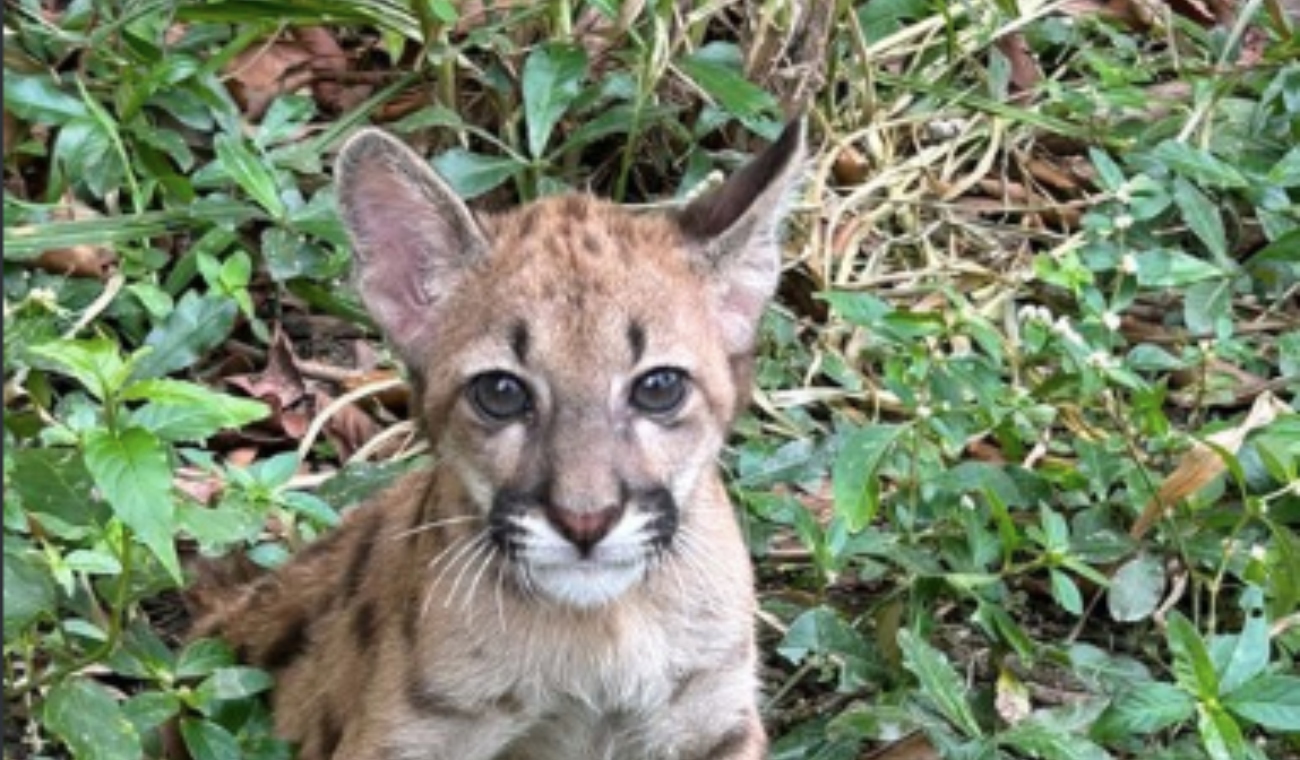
(659, 391)
(500, 396)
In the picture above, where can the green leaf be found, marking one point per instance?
(1111, 176)
(1202, 217)
(251, 172)
(202, 657)
(1242, 657)
(1207, 307)
(181, 411)
(1220, 734)
(87, 718)
(1270, 701)
(1164, 268)
(208, 741)
(940, 683)
(1050, 743)
(96, 364)
(1193, 667)
(1144, 709)
(1066, 592)
(198, 325)
(149, 710)
(472, 174)
(1198, 165)
(717, 68)
(855, 485)
(53, 483)
(234, 682)
(1286, 172)
(131, 471)
(29, 590)
(1136, 589)
(552, 79)
(38, 99)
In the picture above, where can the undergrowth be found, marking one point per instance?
(1021, 474)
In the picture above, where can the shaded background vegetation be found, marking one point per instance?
(1020, 478)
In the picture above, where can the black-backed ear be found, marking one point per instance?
(734, 230)
(411, 234)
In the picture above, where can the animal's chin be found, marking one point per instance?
(585, 583)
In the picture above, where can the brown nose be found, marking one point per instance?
(583, 529)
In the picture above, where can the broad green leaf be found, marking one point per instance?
(1193, 667)
(940, 683)
(54, 483)
(1066, 592)
(717, 69)
(181, 411)
(1286, 172)
(38, 99)
(251, 172)
(1112, 177)
(150, 709)
(855, 484)
(472, 174)
(1143, 709)
(131, 471)
(1198, 165)
(1106, 671)
(29, 590)
(1136, 589)
(1202, 217)
(96, 363)
(1207, 307)
(861, 309)
(1220, 734)
(1164, 268)
(233, 682)
(209, 741)
(89, 720)
(197, 325)
(1271, 701)
(1242, 657)
(552, 79)
(1036, 739)
(202, 657)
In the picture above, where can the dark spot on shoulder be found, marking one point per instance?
(364, 624)
(331, 733)
(426, 700)
(591, 244)
(356, 572)
(289, 645)
(576, 207)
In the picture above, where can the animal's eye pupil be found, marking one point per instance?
(660, 391)
(500, 396)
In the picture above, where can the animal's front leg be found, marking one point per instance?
(713, 716)
(443, 732)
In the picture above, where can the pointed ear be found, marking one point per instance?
(734, 230)
(411, 235)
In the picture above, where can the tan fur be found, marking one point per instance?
(411, 632)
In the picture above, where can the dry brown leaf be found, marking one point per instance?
(911, 747)
(850, 167)
(1025, 73)
(1202, 464)
(84, 260)
(262, 73)
(348, 428)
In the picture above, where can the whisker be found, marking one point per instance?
(501, 609)
(434, 524)
(483, 565)
(466, 544)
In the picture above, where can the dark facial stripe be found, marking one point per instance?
(331, 733)
(519, 341)
(636, 339)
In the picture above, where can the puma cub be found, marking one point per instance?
(567, 581)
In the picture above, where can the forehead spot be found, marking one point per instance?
(636, 340)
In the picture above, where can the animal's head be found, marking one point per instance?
(577, 364)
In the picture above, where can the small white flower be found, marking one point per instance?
(1101, 360)
(924, 412)
(1123, 195)
(1128, 264)
(1258, 553)
(1111, 320)
(967, 503)
(1063, 328)
(1123, 222)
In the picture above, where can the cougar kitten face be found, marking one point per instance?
(578, 364)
